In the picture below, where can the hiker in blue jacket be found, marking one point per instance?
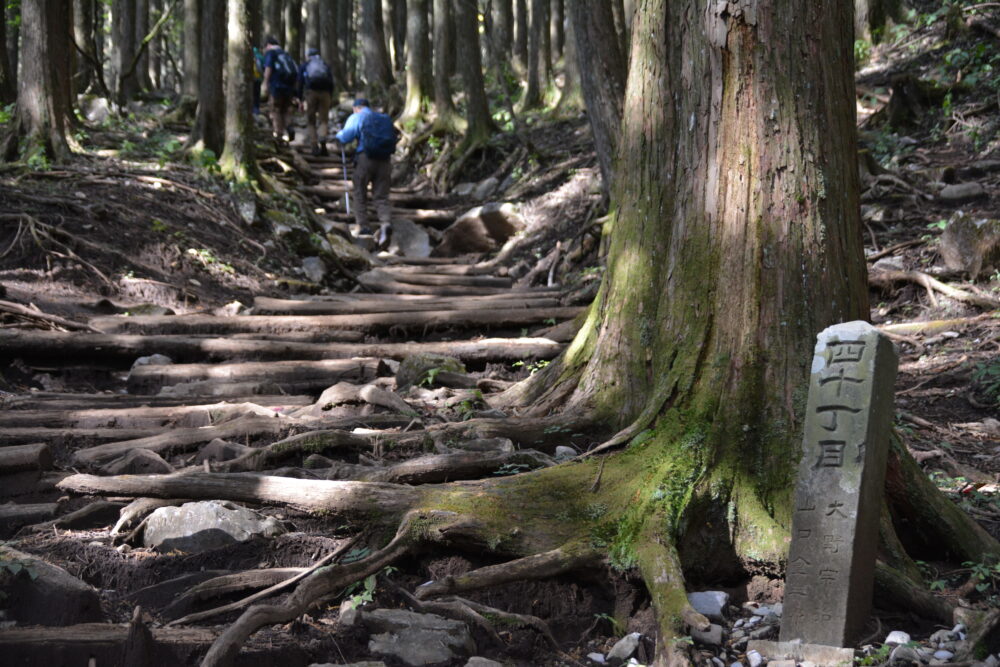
(316, 91)
(376, 139)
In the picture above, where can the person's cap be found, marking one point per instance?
(271, 41)
(312, 52)
(360, 102)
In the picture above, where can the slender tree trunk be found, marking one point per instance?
(533, 91)
(156, 46)
(192, 48)
(557, 13)
(375, 60)
(503, 29)
(521, 35)
(141, 30)
(273, 24)
(8, 81)
(345, 32)
(444, 106)
(571, 95)
(602, 73)
(237, 160)
(622, 24)
(293, 29)
(210, 121)
(329, 29)
(418, 61)
(83, 30)
(477, 112)
(43, 94)
(312, 25)
(123, 14)
(257, 35)
(397, 18)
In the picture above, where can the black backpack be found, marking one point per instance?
(318, 74)
(378, 134)
(285, 69)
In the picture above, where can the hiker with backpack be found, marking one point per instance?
(281, 76)
(376, 137)
(316, 90)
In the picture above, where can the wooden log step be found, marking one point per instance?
(383, 283)
(13, 517)
(23, 436)
(263, 305)
(302, 374)
(121, 349)
(484, 301)
(36, 456)
(401, 197)
(372, 322)
(431, 278)
(181, 416)
(183, 439)
(62, 401)
(437, 218)
(450, 269)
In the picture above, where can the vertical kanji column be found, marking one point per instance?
(831, 562)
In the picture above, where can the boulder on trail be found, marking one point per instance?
(419, 368)
(314, 269)
(201, 526)
(481, 229)
(138, 462)
(409, 239)
(221, 450)
(153, 360)
(417, 639)
(347, 253)
(960, 193)
(971, 245)
(40, 593)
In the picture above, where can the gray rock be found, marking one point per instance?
(564, 453)
(711, 637)
(409, 239)
(477, 661)
(481, 229)
(992, 661)
(416, 368)
(366, 663)
(200, 526)
(96, 109)
(970, 245)
(626, 646)
(314, 269)
(710, 603)
(464, 189)
(596, 657)
(138, 462)
(153, 360)
(943, 655)
(45, 594)
(417, 639)
(763, 632)
(897, 637)
(959, 193)
(221, 450)
(904, 655)
(754, 659)
(486, 187)
(890, 264)
(781, 663)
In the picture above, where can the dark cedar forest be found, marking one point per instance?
(540, 397)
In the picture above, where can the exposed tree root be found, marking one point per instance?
(885, 279)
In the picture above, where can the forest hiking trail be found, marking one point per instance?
(388, 383)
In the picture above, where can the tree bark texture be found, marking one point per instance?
(43, 101)
(345, 41)
(443, 103)
(396, 27)
(238, 161)
(293, 29)
(557, 13)
(192, 48)
(312, 25)
(8, 80)
(83, 34)
(210, 122)
(477, 112)
(533, 89)
(142, 24)
(273, 23)
(503, 29)
(123, 29)
(375, 58)
(521, 34)
(329, 31)
(602, 69)
(418, 61)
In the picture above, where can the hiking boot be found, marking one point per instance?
(291, 134)
(382, 238)
(323, 151)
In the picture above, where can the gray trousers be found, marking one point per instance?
(379, 174)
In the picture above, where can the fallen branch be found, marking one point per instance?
(885, 279)
(24, 311)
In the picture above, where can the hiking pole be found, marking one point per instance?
(347, 193)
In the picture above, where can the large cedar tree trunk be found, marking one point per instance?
(142, 25)
(43, 92)
(520, 45)
(123, 24)
(375, 58)
(602, 68)
(328, 33)
(192, 48)
(536, 61)
(8, 82)
(418, 61)
(238, 162)
(293, 29)
(444, 105)
(477, 111)
(210, 122)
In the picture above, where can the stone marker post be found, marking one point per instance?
(831, 563)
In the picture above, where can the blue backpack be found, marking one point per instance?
(285, 69)
(378, 135)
